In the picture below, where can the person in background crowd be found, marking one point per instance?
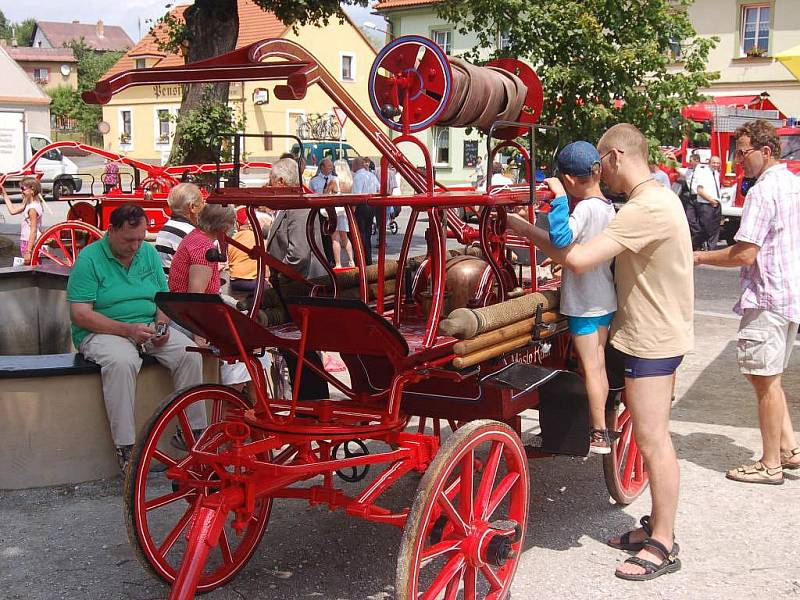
(243, 269)
(498, 178)
(185, 202)
(319, 185)
(364, 182)
(342, 184)
(766, 250)
(688, 193)
(33, 206)
(660, 176)
(110, 177)
(707, 210)
(111, 291)
(288, 243)
(479, 173)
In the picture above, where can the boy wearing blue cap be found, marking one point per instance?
(588, 299)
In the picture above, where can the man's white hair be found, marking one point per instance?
(182, 196)
(285, 169)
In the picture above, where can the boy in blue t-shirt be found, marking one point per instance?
(589, 299)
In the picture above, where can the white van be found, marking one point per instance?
(18, 146)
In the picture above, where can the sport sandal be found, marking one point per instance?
(756, 473)
(625, 542)
(786, 459)
(669, 564)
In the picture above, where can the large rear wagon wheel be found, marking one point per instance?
(60, 244)
(464, 534)
(158, 510)
(625, 473)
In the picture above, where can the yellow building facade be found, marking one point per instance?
(140, 118)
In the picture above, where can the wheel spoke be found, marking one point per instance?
(167, 499)
(470, 583)
(630, 461)
(225, 548)
(73, 245)
(186, 430)
(440, 549)
(487, 480)
(452, 587)
(61, 245)
(491, 577)
(217, 411)
(52, 257)
(639, 477)
(465, 487)
(445, 576)
(164, 458)
(452, 514)
(500, 492)
(173, 535)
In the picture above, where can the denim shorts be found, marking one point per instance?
(587, 325)
(636, 367)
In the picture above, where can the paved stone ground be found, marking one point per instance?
(737, 541)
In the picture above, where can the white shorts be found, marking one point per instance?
(765, 342)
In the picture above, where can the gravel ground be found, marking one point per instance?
(737, 541)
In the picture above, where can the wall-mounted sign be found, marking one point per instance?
(470, 153)
(168, 91)
(260, 96)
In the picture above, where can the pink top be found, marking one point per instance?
(25, 228)
(771, 221)
(192, 251)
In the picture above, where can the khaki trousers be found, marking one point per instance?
(120, 362)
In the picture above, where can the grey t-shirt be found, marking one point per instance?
(591, 294)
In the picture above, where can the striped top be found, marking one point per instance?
(170, 237)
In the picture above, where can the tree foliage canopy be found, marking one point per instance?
(601, 62)
(22, 31)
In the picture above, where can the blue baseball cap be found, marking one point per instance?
(578, 158)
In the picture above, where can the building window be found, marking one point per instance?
(348, 64)
(504, 40)
(126, 131)
(141, 63)
(163, 117)
(441, 145)
(755, 30)
(41, 75)
(443, 37)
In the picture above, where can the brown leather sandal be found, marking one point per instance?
(786, 459)
(756, 473)
(625, 542)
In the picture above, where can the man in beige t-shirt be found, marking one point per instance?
(653, 326)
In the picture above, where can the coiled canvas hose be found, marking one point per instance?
(482, 95)
(465, 323)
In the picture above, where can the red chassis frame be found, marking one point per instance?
(251, 454)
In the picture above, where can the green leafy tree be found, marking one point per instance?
(601, 62)
(5, 26)
(23, 32)
(209, 28)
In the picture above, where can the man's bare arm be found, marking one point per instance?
(741, 254)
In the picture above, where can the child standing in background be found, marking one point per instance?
(33, 207)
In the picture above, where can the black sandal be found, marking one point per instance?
(670, 564)
(625, 542)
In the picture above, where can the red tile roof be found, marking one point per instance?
(254, 24)
(392, 4)
(27, 53)
(113, 37)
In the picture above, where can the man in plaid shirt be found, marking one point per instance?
(767, 249)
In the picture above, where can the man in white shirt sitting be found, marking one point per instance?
(497, 175)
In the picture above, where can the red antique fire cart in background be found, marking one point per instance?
(457, 336)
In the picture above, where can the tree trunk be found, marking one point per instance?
(214, 29)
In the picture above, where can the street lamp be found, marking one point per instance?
(371, 25)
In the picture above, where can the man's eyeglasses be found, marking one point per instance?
(743, 152)
(609, 152)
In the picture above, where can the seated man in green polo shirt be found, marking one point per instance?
(111, 291)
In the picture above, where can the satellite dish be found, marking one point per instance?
(103, 127)
(66, 70)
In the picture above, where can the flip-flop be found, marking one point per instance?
(625, 542)
(670, 564)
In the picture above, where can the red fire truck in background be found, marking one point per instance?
(719, 118)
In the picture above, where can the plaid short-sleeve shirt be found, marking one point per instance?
(192, 251)
(771, 221)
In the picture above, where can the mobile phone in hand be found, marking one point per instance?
(161, 329)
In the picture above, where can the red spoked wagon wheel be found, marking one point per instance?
(464, 534)
(625, 473)
(61, 243)
(85, 212)
(158, 510)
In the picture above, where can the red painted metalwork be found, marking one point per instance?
(61, 243)
(399, 365)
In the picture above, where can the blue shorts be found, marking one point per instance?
(587, 325)
(636, 367)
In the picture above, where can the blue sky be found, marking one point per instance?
(131, 14)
